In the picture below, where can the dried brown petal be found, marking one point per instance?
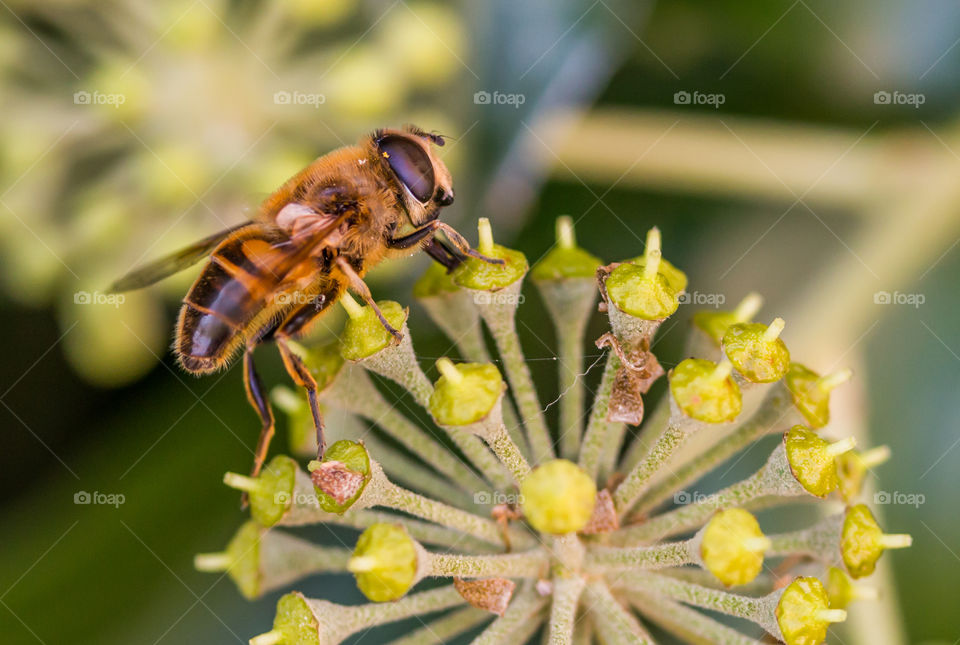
(490, 594)
(604, 518)
(337, 481)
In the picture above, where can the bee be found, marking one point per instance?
(269, 278)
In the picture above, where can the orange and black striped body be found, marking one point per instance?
(278, 266)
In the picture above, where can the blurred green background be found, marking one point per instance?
(807, 150)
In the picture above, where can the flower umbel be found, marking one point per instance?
(581, 546)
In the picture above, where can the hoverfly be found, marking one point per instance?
(315, 237)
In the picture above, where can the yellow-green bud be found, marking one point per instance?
(812, 459)
(295, 622)
(340, 478)
(558, 497)
(480, 275)
(364, 334)
(732, 546)
(811, 392)
(705, 390)
(384, 562)
(642, 288)
(716, 323)
(853, 466)
(324, 362)
(862, 542)
(757, 351)
(241, 560)
(842, 590)
(804, 613)
(435, 281)
(271, 493)
(565, 260)
(466, 393)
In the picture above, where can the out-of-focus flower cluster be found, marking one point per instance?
(133, 128)
(582, 532)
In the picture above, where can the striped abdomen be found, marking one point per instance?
(235, 294)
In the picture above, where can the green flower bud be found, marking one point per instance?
(466, 393)
(675, 278)
(325, 362)
(862, 542)
(756, 351)
(566, 260)
(732, 546)
(241, 560)
(364, 334)
(435, 281)
(294, 624)
(341, 476)
(811, 459)
(384, 562)
(804, 613)
(842, 590)
(648, 289)
(271, 493)
(480, 275)
(853, 466)
(716, 323)
(811, 392)
(705, 391)
(558, 497)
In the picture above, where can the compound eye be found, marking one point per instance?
(410, 164)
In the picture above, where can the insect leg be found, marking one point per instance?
(461, 242)
(358, 285)
(254, 388)
(437, 250)
(407, 241)
(298, 371)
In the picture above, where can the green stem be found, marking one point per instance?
(523, 616)
(686, 623)
(563, 609)
(359, 617)
(411, 472)
(660, 556)
(355, 392)
(529, 564)
(639, 478)
(445, 629)
(509, 453)
(401, 499)
(757, 610)
(616, 625)
(693, 515)
(653, 427)
(772, 415)
(597, 427)
(501, 320)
